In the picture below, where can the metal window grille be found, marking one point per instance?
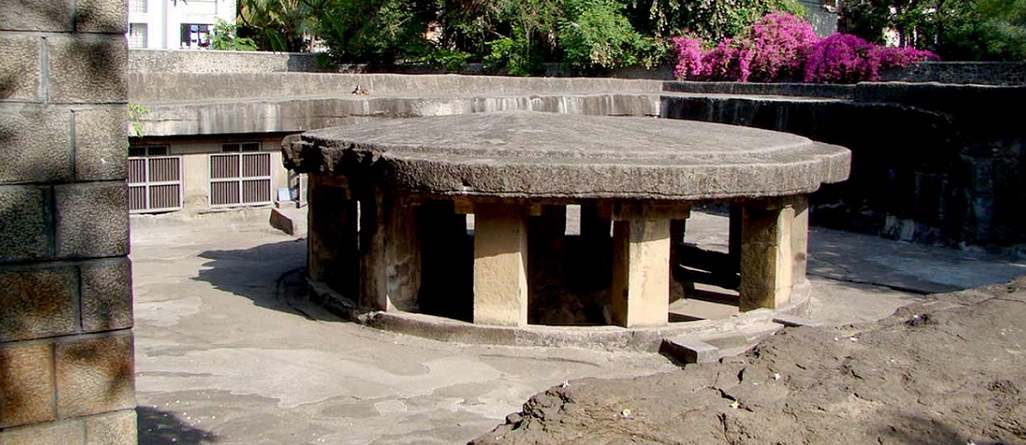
(137, 35)
(154, 183)
(240, 179)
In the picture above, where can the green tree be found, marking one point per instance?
(710, 20)
(595, 34)
(954, 29)
(279, 25)
(226, 38)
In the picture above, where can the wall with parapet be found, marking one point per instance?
(932, 163)
(66, 355)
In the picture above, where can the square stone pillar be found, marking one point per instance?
(774, 235)
(800, 237)
(640, 292)
(500, 265)
(389, 251)
(332, 237)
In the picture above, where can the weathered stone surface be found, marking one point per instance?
(19, 68)
(66, 432)
(500, 266)
(560, 156)
(641, 273)
(95, 376)
(106, 295)
(26, 386)
(33, 15)
(35, 144)
(87, 69)
(37, 303)
(24, 221)
(100, 143)
(107, 16)
(112, 429)
(92, 220)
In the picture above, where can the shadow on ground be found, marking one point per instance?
(260, 273)
(157, 427)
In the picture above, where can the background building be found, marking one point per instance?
(175, 24)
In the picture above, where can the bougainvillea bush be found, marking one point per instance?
(784, 47)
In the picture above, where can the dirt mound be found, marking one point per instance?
(950, 371)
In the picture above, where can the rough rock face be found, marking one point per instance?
(951, 371)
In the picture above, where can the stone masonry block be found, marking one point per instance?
(69, 432)
(26, 385)
(24, 218)
(107, 16)
(35, 144)
(35, 15)
(95, 376)
(20, 68)
(37, 303)
(88, 69)
(106, 295)
(112, 429)
(100, 143)
(92, 220)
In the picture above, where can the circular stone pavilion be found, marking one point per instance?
(389, 199)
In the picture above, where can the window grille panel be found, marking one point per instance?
(240, 178)
(224, 193)
(256, 191)
(136, 170)
(256, 164)
(137, 198)
(165, 196)
(164, 169)
(224, 166)
(154, 183)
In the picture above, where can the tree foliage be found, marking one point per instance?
(954, 29)
(512, 36)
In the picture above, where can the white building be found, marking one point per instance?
(171, 24)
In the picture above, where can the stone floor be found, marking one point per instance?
(224, 356)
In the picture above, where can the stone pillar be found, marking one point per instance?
(677, 230)
(640, 291)
(332, 238)
(500, 265)
(389, 252)
(66, 344)
(800, 237)
(767, 253)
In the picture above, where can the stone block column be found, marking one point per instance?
(774, 239)
(332, 243)
(500, 265)
(389, 251)
(66, 344)
(640, 291)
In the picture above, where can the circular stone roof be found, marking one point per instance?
(562, 156)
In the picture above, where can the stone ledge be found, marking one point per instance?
(589, 337)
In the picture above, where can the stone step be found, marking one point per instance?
(711, 348)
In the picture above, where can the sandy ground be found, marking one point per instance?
(951, 370)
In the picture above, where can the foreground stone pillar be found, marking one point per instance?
(767, 253)
(500, 265)
(66, 343)
(640, 292)
(389, 252)
(332, 237)
(800, 237)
